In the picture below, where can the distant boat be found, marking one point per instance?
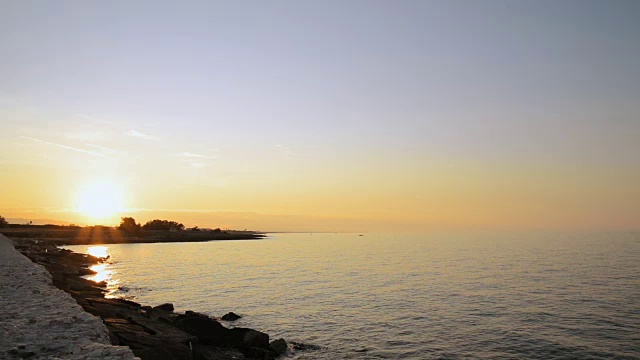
(360, 235)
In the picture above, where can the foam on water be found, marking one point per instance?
(407, 296)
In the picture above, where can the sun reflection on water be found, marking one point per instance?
(104, 271)
(98, 251)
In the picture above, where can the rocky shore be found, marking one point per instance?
(39, 321)
(152, 332)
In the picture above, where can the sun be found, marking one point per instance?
(100, 201)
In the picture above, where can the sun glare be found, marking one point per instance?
(100, 201)
(98, 251)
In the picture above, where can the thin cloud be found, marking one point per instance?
(287, 151)
(122, 125)
(139, 135)
(196, 160)
(105, 149)
(100, 121)
(193, 155)
(93, 153)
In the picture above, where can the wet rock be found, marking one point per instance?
(85, 271)
(165, 307)
(278, 347)
(231, 316)
(167, 317)
(246, 338)
(207, 330)
(78, 284)
(194, 313)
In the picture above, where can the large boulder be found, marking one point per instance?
(207, 330)
(246, 338)
(231, 316)
(278, 347)
(165, 307)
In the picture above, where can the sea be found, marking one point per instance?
(404, 296)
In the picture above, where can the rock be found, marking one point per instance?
(193, 313)
(79, 284)
(85, 271)
(152, 347)
(26, 354)
(258, 353)
(231, 316)
(111, 308)
(165, 330)
(204, 352)
(165, 307)
(246, 338)
(116, 302)
(278, 347)
(113, 338)
(119, 327)
(207, 330)
(153, 354)
(304, 347)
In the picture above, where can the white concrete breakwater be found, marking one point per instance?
(40, 321)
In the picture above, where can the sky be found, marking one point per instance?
(322, 115)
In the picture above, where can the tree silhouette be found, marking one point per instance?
(129, 226)
(3, 222)
(162, 225)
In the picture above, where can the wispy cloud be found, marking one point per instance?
(197, 160)
(194, 156)
(287, 151)
(138, 134)
(94, 119)
(84, 151)
(105, 149)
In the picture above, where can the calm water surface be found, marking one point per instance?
(406, 296)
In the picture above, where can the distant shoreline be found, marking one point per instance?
(95, 235)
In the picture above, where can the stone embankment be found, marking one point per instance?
(39, 321)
